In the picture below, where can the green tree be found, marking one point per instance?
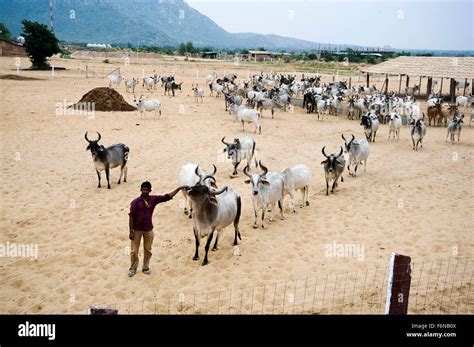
(4, 32)
(40, 43)
(371, 59)
(189, 47)
(182, 48)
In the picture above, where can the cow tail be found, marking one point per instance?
(253, 154)
(237, 218)
(126, 150)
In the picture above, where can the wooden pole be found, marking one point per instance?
(419, 85)
(452, 90)
(350, 82)
(465, 86)
(97, 310)
(472, 87)
(398, 286)
(429, 85)
(441, 88)
(386, 83)
(400, 84)
(368, 80)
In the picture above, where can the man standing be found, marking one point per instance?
(141, 212)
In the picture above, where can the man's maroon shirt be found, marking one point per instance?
(141, 214)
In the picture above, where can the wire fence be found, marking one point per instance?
(100, 71)
(437, 287)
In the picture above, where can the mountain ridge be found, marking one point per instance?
(144, 22)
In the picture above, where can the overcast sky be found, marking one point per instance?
(441, 24)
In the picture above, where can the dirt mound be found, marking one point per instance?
(18, 78)
(106, 99)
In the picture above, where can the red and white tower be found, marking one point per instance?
(51, 18)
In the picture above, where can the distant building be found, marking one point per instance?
(259, 55)
(263, 55)
(209, 55)
(98, 45)
(11, 49)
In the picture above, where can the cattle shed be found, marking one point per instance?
(11, 49)
(450, 70)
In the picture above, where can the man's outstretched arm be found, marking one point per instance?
(174, 192)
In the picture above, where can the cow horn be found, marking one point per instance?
(323, 152)
(85, 136)
(264, 168)
(215, 170)
(246, 169)
(353, 137)
(340, 153)
(343, 137)
(196, 171)
(225, 143)
(218, 191)
(99, 136)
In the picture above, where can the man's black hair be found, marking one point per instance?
(146, 184)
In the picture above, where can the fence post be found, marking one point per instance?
(97, 310)
(398, 286)
(452, 90)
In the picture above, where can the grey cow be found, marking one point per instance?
(333, 168)
(108, 158)
(214, 209)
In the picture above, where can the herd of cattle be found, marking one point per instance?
(212, 208)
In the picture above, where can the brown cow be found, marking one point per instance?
(440, 113)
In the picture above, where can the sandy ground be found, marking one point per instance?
(414, 203)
